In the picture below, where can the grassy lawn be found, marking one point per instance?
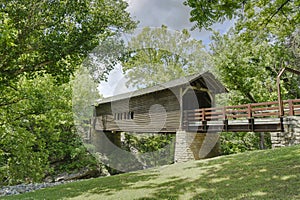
(270, 174)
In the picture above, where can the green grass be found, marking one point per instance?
(270, 174)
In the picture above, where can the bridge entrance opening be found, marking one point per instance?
(194, 99)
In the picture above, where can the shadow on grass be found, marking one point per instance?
(254, 175)
(105, 185)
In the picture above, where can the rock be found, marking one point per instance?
(82, 174)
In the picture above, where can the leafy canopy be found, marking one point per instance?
(280, 17)
(159, 55)
(265, 38)
(42, 43)
(54, 36)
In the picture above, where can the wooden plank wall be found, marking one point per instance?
(142, 121)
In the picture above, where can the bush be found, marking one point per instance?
(240, 142)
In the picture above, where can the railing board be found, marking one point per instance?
(265, 114)
(236, 111)
(237, 106)
(265, 108)
(215, 117)
(264, 103)
(237, 116)
(292, 100)
(246, 111)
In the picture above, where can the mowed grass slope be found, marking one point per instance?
(269, 174)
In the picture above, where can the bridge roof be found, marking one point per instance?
(207, 79)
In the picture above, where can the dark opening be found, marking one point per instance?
(131, 115)
(196, 99)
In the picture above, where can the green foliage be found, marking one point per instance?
(42, 43)
(279, 17)
(159, 55)
(249, 70)
(152, 150)
(54, 36)
(206, 13)
(249, 56)
(84, 95)
(240, 142)
(37, 133)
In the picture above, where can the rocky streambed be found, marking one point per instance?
(22, 188)
(49, 182)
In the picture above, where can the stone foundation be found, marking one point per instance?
(291, 134)
(195, 146)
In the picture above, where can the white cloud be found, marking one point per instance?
(116, 83)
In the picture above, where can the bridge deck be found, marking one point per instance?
(256, 117)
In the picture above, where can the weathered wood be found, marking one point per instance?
(161, 110)
(251, 112)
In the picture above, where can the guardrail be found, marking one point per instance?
(246, 111)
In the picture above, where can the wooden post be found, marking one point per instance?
(203, 114)
(225, 123)
(249, 110)
(280, 106)
(181, 108)
(280, 103)
(224, 113)
(291, 108)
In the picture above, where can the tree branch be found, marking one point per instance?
(276, 12)
(11, 102)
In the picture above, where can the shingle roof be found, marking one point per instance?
(211, 82)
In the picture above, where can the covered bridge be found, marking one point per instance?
(159, 108)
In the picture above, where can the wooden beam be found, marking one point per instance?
(181, 93)
(280, 102)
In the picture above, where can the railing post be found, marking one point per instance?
(203, 114)
(204, 122)
(249, 110)
(291, 108)
(224, 113)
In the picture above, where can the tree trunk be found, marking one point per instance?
(262, 141)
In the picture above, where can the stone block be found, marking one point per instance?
(194, 146)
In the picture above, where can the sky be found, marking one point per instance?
(171, 13)
(155, 13)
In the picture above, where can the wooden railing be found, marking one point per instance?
(246, 111)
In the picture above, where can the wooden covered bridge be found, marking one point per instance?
(186, 107)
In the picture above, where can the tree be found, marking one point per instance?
(42, 43)
(151, 149)
(279, 17)
(249, 69)
(159, 55)
(54, 37)
(249, 56)
(38, 135)
(84, 96)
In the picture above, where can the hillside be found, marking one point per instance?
(269, 174)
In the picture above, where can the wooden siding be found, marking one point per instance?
(140, 123)
(164, 107)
